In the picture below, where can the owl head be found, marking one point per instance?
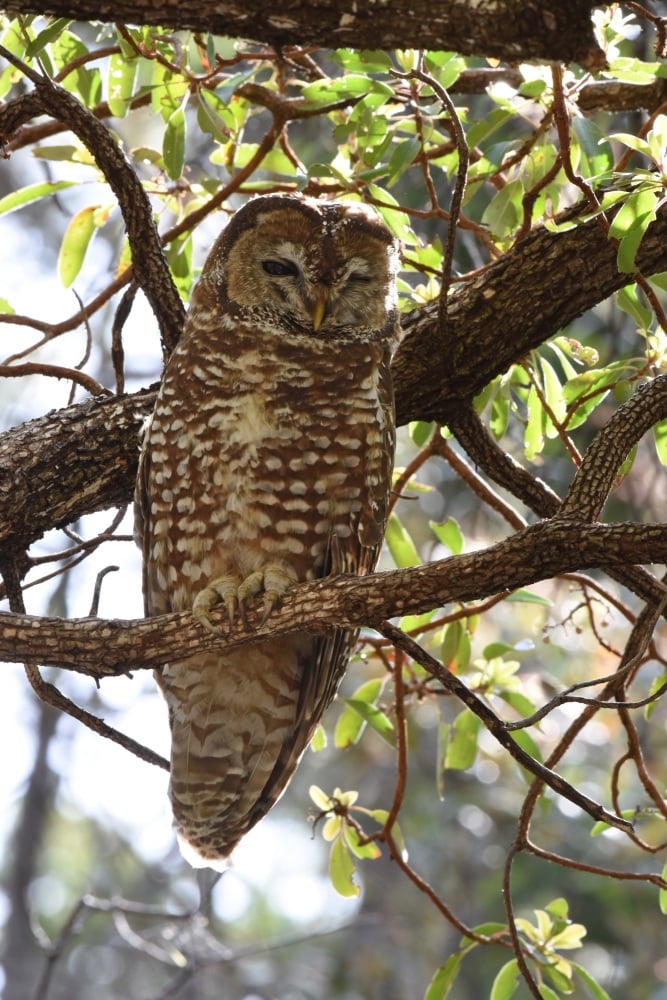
(324, 269)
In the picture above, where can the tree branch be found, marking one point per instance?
(512, 30)
(109, 648)
(561, 275)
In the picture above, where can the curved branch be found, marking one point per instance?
(595, 477)
(148, 262)
(550, 548)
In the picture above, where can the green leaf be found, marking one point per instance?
(397, 220)
(120, 83)
(320, 798)
(598, 157)
(628, 300)
(534, 432)
(75, 242)
(400, 545)
(349, 727)
(521, 703)
(461, 748)
(656, 684)
(374, 717)
(558, 908)
(369, 851)
(662, 893)
(31, 193)
(44, 37)
(440, 985)
(342, 869)
(547, 993)
(529, 746)
(553, 392)
(505, 982)
(319, 739)
(523, 596)
(449, 533)
(451, 641)
(598, 992)
(630, 224)
(487, 929)
(173, 144)
(503, 213)
(402, 157)
(420, 432)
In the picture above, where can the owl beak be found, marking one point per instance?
(318, 311)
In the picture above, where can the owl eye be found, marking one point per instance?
(359, 278)
(280, 268)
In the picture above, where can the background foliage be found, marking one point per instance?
(456, 873)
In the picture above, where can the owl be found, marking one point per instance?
(267, 462)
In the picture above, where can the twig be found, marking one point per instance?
(498, 730)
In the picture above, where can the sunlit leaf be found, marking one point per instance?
(44, 37)
(369, 851)
(449, 533)
(33, 192)
(375, 718)
(121, 78)
(630, 224)
(400, 545)
(173, 144)
(461, 749)
(505, 982)
(319, 739)
(597, 992)
(342, 869)
(320, 798)
(662, 893)
(534, 432)
(440, 985)
(523, 596)
(75, 243)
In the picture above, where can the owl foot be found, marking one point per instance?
(273, 581)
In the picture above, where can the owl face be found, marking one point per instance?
(307, 267)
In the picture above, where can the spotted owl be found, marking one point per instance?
(267, 461)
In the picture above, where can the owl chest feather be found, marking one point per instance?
(280, 454)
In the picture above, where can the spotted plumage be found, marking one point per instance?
(267, 461)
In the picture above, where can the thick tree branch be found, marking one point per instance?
(561, 275)
(108, 648)
(513, 30)
(68, 463)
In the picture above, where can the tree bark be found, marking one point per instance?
(512, 30)
(111, 647)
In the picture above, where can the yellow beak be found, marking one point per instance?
(318, 312)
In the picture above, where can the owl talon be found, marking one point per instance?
(222, 591)
(274, 580)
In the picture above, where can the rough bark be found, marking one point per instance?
(558, 275)
(86, 461)
(513, 30)
(109, 648)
